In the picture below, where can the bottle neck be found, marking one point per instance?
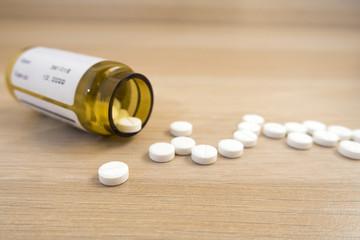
(124, 94)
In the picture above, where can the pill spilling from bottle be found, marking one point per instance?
(299, 136)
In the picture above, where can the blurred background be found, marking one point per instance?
(279, 38)
(256, 56)
(288, 46)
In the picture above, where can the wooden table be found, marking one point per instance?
(209, 72)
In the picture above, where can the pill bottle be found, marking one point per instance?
(87, 92)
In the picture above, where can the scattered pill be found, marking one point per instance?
(230, 148)
(344, 133)
(250, 126)
(274, 130)
(113, 173)
(349, 149)
(181, 128)
(356, 135)
(246, 137)
(204, 154)
(254, 118)
(298, 137)
(183, 145)
(295, 127)
(313, 126)
(162, 152)
(129, 124)
(325, 138)
(299, 140)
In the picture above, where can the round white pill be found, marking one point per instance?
(183, 145)
(230, 148)
(250, 126)
(295, 127)
(299, 140)
(344, 133)
(129, 124)
(274, 130)
(254, 118)
(356, 135)
(113, 173)
(325, 138)
(181, 128)
(162, 152)
(246, 137)
(204, 154)
(349, 149)
(313, 126)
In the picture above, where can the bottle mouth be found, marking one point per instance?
(132, 100)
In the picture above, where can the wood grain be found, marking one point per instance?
(291, 69)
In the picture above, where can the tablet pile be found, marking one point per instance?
(300, 136)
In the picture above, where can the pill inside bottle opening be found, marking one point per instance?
(128, 112)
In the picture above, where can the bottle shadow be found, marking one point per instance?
(55, 136)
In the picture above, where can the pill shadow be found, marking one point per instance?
(188, 161)
(168, 133)
(145, 157)
(116, 141)
(95, 182)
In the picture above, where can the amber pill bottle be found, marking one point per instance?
(87, 92)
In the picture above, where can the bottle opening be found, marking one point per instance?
(130, 105)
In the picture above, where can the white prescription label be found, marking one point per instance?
(49, 109)
(52, 73)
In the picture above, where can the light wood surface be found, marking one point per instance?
(288, 61)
